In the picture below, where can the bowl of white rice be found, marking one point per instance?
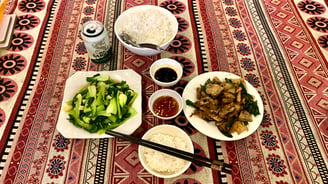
(147, 24)
(160, 164)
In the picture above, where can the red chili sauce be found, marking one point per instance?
(165, 106)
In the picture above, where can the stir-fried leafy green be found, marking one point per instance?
(250, 104)
(101, 105)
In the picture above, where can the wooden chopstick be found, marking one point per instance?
(197, 159)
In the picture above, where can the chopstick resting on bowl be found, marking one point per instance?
(197, 159)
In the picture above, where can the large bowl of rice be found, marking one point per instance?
(160, 164)
(147, 24)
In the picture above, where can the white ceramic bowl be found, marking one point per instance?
(166, 63)
(176, 136)
(147, 24)
(164, 93)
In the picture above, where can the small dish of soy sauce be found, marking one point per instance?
(166, 72)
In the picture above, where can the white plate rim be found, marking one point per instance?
(208, 128)
(133, 79)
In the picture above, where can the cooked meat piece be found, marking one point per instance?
(201, 106)
(238, 107)
(213, 89)
(222, 126)
(245, 116)
(234, 113)
(238, 81)
(205, 101)
(228, 95)
(227, 100)
(215, 117)
(228, 85)
(238, 97)
(216, 79)
(199, 93)
(204, 108)
(227, 109)
(200, 114)
(231, 90)
(209, 102)
(238, 127)
(243, 100)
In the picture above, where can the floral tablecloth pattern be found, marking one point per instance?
(279, 46)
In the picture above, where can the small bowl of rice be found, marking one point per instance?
(160, 164)
(147, 24)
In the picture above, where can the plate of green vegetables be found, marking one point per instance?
(96, 101)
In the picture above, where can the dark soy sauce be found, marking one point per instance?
(166, 74)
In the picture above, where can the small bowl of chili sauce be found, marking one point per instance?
(166, 72)
(165, 104)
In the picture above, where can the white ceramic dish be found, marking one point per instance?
(77, 80)
(166, 63)
(171, 131)
(208, 128)
(165, 92)
(129, 16)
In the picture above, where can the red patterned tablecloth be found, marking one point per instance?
(279, 46)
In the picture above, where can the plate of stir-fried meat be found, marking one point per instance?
(223, 106)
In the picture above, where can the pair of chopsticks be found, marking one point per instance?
(197, 159)
(2, 9)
